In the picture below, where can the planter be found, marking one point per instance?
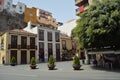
(33, 66)
(12, 64)
(51, 66)
(76, 67)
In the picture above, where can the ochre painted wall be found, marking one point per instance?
(30, 15)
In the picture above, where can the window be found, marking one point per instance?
(8, 3)
(49, 36)
(63, 44)
(2, 44)
(0, 2)
(23, 42)
(49, 45)
(41, 51)
(50, 51)
(73, 45)
(41, 34)
(20, 7)
(41, 45)
(57, 46)
(14, 41)
(32, 43)
(57, 36)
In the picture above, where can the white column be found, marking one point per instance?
(28, 57)
(37, 43)
(45, 46)
(54, 44)
(18, 56)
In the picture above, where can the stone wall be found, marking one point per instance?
(10, 21)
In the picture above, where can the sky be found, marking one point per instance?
(62, 10)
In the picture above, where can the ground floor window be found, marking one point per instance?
(13, 53)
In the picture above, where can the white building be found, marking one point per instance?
(48, 41)
(8, 5)
(18, 8)
(67, 27)
(1, 5)
(5, 4)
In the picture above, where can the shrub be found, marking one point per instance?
(13, 60)
(76, 60)
(51, 60)
(33, 62)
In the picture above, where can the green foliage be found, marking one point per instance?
(76, 60)
(51, 60)
(33, 62)
(99, 26)
(13, 60)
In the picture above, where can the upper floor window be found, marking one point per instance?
(8, 3)
(20, 7)
(0, 2)
(41, 45)
(49, 36)
(57, 46)
(14, 41)
(73, 45)
(23, 42)
(41, 34)
(49, 45)
(57, 36)
(32, 42)
(2, 44)
(63, 44)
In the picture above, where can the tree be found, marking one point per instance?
(99, 26)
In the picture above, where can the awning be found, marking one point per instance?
(117, 52)
(102, 52)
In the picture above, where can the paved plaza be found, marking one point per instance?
(64, 71)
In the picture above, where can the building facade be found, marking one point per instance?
(39, 16)
(82, 5)
(30, 15)
(19, 44)
(8, 5)
(1, 5)
(69, 45)
(48, 41)
(18, 8)
(45, 17)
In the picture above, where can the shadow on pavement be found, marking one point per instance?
(105, 69)
(78, 70)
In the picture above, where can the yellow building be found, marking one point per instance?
(19, 44)
(69, 46)
(30, 15)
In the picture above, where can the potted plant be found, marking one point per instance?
(76, 63)
(51, 63)
(33, 63)
(13, 61)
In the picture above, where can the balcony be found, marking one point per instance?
(52, 22)
(46, 21)
(77, 11)
(32, 47)
(80, 2)
(80, 10)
